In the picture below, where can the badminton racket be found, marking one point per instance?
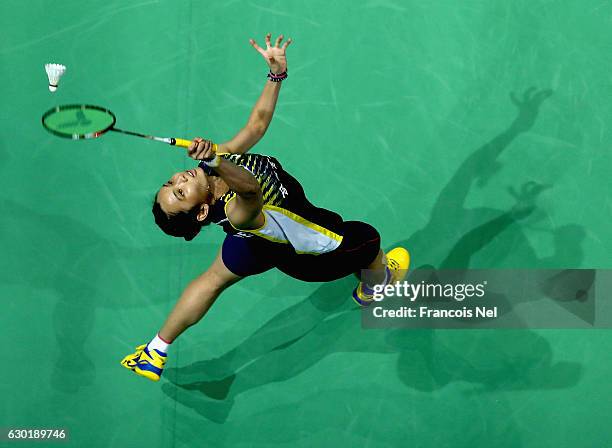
(85, 121)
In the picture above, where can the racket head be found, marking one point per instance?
(78, 121)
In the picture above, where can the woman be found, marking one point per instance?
(268, 220)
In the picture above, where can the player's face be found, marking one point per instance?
(183, 191)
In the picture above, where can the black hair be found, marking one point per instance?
(181, 225)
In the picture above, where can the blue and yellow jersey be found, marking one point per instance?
(289, 217)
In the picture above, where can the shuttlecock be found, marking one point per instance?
(54, 73)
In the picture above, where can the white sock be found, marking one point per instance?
(158, 344)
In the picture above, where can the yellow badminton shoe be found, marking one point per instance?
(398, 263)
(129, 362)
(146, 362)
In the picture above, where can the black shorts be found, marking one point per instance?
(254, 255)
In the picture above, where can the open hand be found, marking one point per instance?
(526, 197)
(528, 107)
(274, 55)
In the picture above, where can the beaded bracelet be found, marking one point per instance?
(277, 78)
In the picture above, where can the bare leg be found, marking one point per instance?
(197, 299)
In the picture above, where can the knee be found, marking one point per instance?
(211, 284)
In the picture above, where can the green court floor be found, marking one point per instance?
(395, 112)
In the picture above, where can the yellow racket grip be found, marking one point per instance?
(185, 143)
(182, 142)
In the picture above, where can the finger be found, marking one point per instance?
(207, 145)
(528, 187)
(286, 44)
(255, 46)
(542, 95)
(278, 41)
(194, 144)
(195, 149)
(268, 40)
(201, 151)
(513, 192)
(258, 48)
(527, 94)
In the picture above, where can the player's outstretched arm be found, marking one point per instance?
(262, 112)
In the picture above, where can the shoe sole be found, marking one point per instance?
(147, 374)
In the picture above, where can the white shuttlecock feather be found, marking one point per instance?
(54, 73)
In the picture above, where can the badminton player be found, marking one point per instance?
(268, 220)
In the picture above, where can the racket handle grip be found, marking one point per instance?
(181, 142)
(185, 143)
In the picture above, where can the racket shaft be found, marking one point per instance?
(180, 142)
(169, 140)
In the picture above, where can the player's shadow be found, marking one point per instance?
(55, 253)
(327, 322)
(572, 289)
